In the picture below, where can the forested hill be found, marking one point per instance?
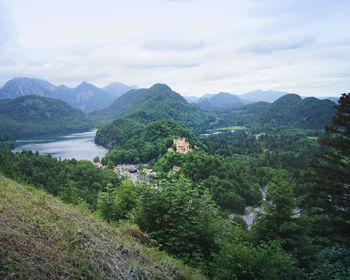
(159, 102)
(288, 111)
(30, 115)
(221, 101)
(133, 142)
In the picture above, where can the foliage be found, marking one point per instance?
(182, 218)
(330, 264)
(278, 221)
(329, 190)
(43, 238)
(242, 260)
(263, 154)
(71, 180)
(228, 183)
(116, 204)
(133, 142)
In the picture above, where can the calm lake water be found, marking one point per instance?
(76, 145)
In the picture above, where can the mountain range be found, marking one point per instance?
(158, 102)
(146, 105)
(85, 96)
(289, 111)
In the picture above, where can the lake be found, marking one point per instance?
(76, 145)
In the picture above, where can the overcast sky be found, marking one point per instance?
(195, 47)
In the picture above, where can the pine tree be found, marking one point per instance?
(329, 189)
(278, 221)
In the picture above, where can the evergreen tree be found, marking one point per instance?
(278, 221)
(329, 189)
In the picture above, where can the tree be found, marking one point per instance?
(329, 188)
(181, 219)
(106, 203)
(96, 159)
(117, 203)
(278, 221)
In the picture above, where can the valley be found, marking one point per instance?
(190, 179)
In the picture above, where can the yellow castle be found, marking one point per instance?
(181, 146)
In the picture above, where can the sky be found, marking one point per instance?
(194, 46)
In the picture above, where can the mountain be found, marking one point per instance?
(31, 115)
(117, 89)
(205, 104)
(292, 110)
(43, 238)
(331, 98)
(191, 99)
(263, 95)
(221, 101)
(159, 102)
(26, 86)
(289, 111)
(85, 97)
(88, 98)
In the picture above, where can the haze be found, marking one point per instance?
(195, 46)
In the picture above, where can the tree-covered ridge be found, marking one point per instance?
(132, 142)
(158, 102)
(286, 112)
(33, 115)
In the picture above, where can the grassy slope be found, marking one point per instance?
(43, 238)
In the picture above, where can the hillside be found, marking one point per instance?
(289, 111)
(43, 238)
(33, 115)
(221, 101)
(158, 102)
(133, 142)
(85, 97)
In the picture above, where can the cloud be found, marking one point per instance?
(173, 45)
(238, 46)
(276, 46)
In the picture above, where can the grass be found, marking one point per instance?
(43, 238)
(229, 128)
(313, 138)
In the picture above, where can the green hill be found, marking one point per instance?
(158, 102)
(289, 111)
(43, 238)
(133, 142)
(30, 115)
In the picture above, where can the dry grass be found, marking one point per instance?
(43, 238)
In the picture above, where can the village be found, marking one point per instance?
(141, 174)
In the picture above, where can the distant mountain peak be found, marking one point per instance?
(85, 84)
(117, 88)
(160, 86)
(221, 101)
(263, 95)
